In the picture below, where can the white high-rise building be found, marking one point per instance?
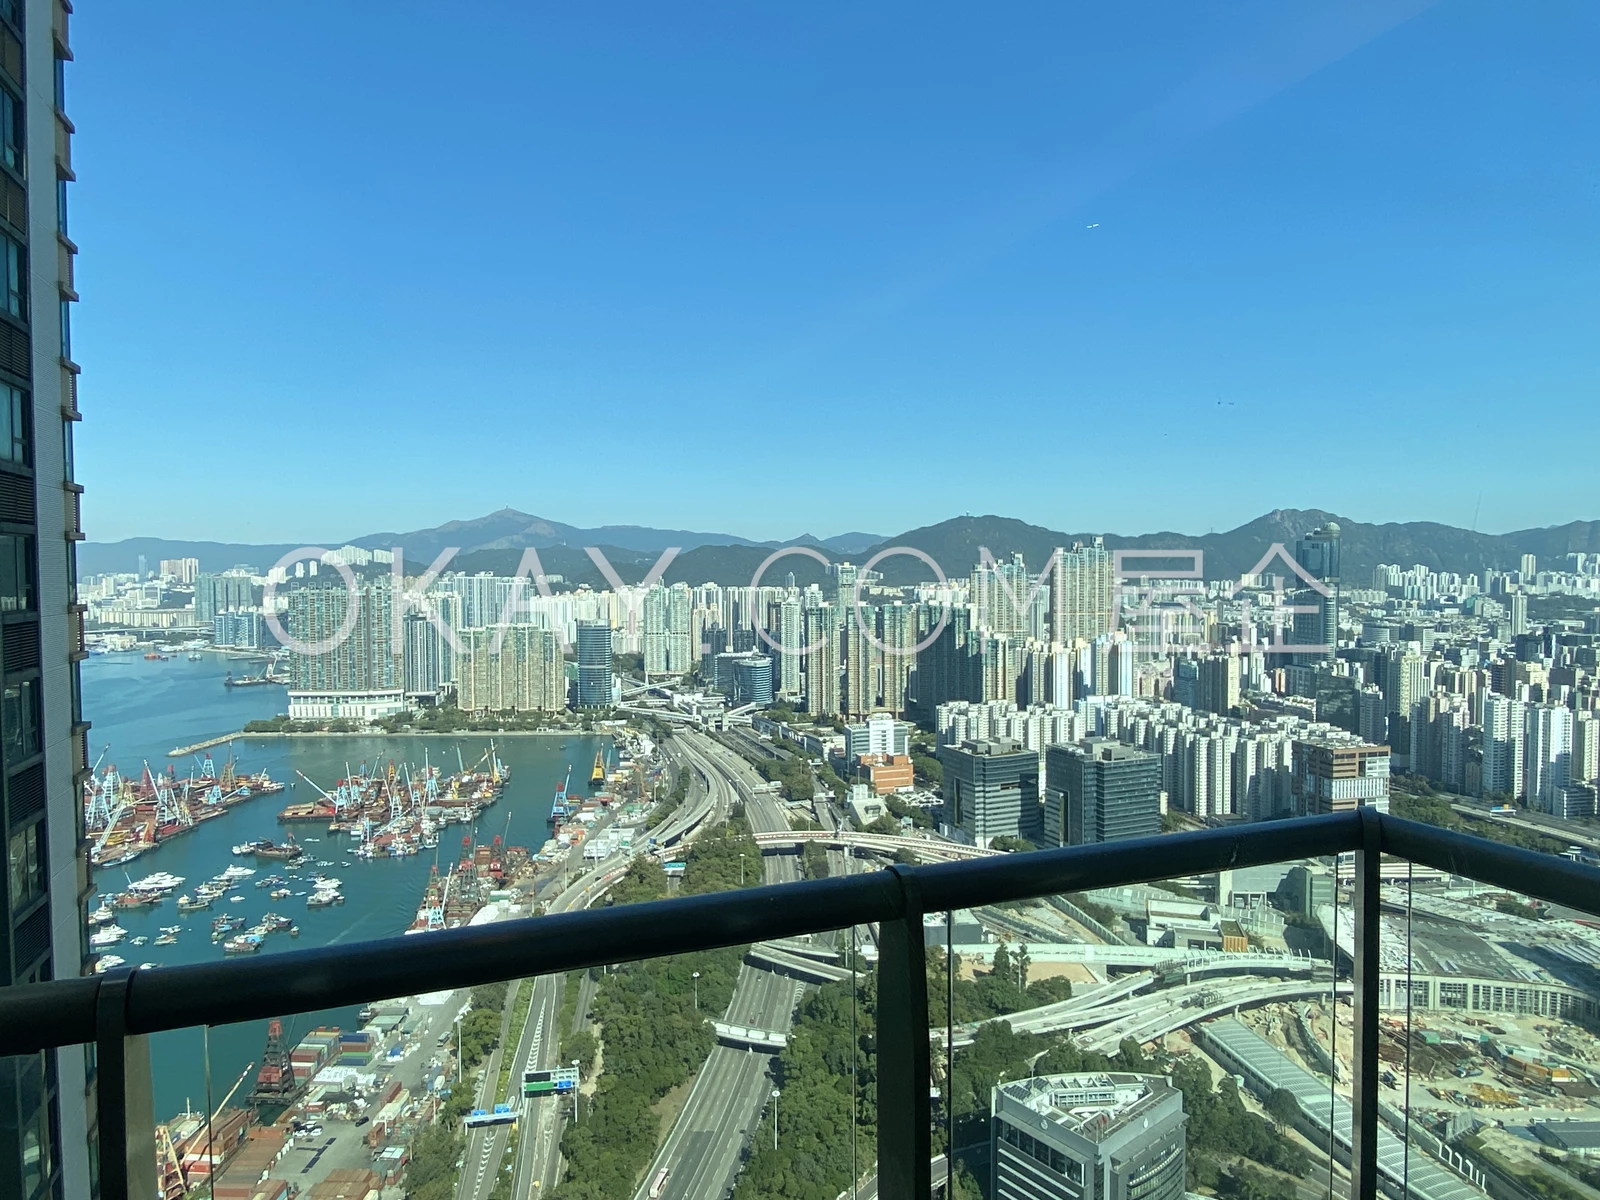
(1504, 738)
(1548, 757)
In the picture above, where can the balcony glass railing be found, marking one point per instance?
(1330, 1005)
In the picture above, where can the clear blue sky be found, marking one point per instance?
(761, 268)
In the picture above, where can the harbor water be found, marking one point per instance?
(141, 709)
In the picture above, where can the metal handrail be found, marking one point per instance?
(38, 1016)
(111, 1009)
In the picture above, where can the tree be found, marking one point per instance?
(1012, 845)
(1283, 1108)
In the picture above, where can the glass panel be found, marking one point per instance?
(1174, 1034)
(1491, 1070)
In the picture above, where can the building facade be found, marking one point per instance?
(594, 664)
(1099, 790)
(47, 1112)
(991, 789)
(1091, 1136)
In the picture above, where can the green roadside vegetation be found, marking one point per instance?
(927, 766)
(519, 1018)
(813, 861)
(434, 1152)
(792, 771)
(1106, 915)
(921, 818)
(673, 800)
(1012, 845)
(653, 1036)
(1414, 798)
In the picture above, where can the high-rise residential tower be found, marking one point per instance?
(1081, 604)
(46, 1109)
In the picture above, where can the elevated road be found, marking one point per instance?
(777, 841)
(808, 969)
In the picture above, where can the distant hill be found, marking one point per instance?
(495, 543)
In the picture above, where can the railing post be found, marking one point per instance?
(904, 1117)
(124, 1104)
(1364, 1105)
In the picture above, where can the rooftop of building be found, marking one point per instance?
(1094, 1104)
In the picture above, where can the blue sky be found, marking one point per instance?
(771, 269)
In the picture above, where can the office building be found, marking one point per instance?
(1099, 790)
(45, 1119)
(1081, 586)
(991, 789)
(594, 664)
(878, 734)
(752, 681)
(1332, 776)
(1318, 629)
(1093, 1136)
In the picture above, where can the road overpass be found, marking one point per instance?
(798, 966)
(881, 843)
(751, 1039)
(1164, 959)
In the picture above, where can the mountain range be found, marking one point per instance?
(495, 543)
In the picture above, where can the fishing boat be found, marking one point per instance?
(244, 943)
(191, 904)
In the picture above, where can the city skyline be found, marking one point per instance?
(1253, 238)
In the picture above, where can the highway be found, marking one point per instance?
(538, 1157)
(702, 1151)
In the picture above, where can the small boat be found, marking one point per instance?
(246, 848)
(235, 899)
(294, 931)
(194, 657)
(282, 893)
(244, 943)
(107, 962)
(322, 898)
(139, 941)
(167, 939)
(108, 935)
(148, 966)
(172, 929)
(103, 915)
(188, 904)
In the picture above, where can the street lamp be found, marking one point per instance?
(774, 1118)
(696, 977)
